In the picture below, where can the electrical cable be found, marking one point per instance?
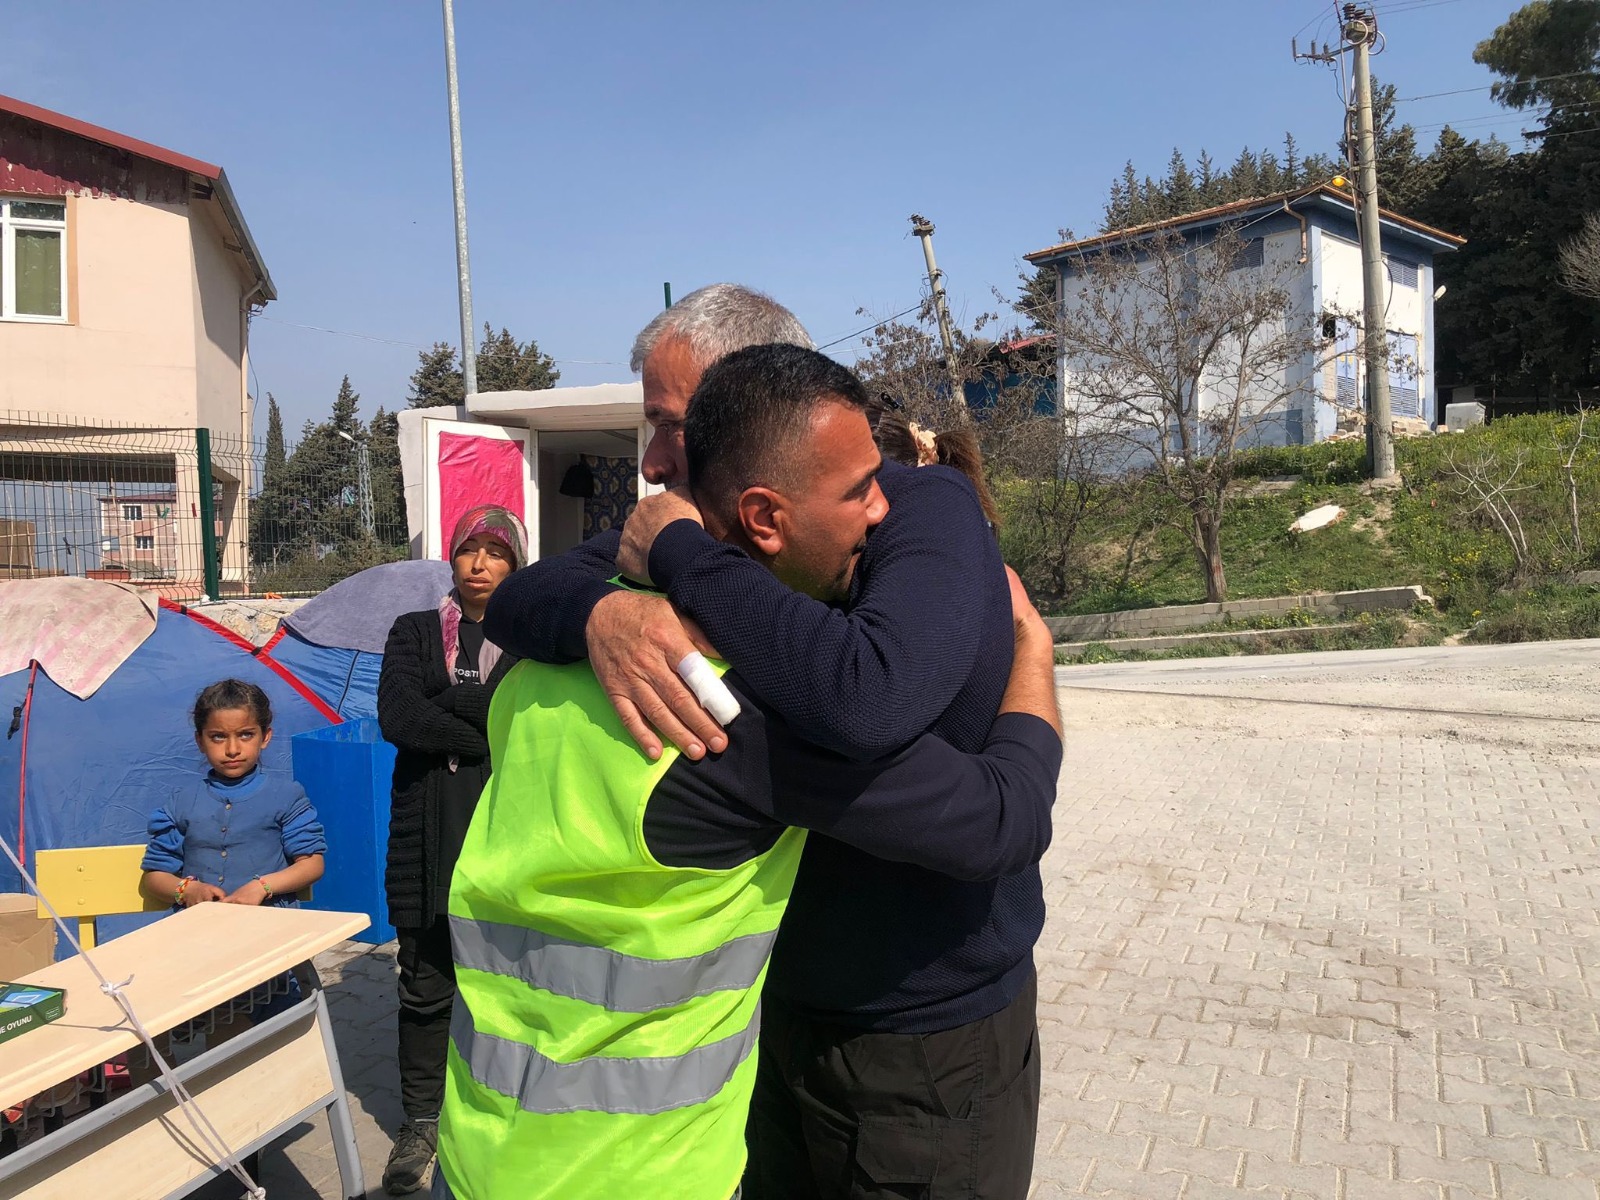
(874, 325)
(1506, 83)
(369, 337)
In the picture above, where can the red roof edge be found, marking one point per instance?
(109, 137)
(182, 162)
(1206, 216)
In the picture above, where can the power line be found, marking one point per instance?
(1489, 86)
(1405, 6)
(369, 337)
(869, 328)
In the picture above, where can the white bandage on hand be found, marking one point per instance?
(708, 688)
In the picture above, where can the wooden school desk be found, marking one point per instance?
(254, 1087)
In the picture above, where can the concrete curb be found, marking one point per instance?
(1145, 622)
(1247, 636)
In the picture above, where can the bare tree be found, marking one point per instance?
(1184, 353)
(1571, 452)
(1047, 475)
(906, 359)
(1491, 485)
(1580, 259)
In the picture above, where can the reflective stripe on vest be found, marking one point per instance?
(618, 982)
(616, 1085)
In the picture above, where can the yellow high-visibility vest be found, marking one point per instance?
(603, 1039)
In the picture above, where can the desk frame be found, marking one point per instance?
(75, 1160)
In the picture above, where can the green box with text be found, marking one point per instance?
(25, 1006)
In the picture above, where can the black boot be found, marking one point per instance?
(412, 1154)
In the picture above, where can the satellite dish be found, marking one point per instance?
(1438, 292)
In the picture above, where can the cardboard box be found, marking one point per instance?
(25, 1006)
(27, 944)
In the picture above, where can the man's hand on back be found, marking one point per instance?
(1033, 671)
(650, 516)
(635, 645)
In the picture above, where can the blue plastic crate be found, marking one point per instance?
(347, 770)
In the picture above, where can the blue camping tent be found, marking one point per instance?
(96, 768)
(334, 642)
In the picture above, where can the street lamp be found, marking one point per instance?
(363, 483)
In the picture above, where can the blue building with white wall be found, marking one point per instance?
(1314, 231)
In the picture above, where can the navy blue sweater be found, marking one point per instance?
(925, 646)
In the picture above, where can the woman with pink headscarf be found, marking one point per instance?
(439, 674)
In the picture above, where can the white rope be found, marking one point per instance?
(212, 1140)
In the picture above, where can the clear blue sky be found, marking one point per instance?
(611, 146)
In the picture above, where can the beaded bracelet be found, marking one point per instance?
(265, 887)
(177, 896)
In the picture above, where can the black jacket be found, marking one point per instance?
(428, 720)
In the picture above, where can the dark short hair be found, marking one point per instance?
(232, 693)
(753, 410)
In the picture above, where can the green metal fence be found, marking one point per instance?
(189, 513)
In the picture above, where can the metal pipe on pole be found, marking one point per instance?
(1360, 31)
(923, 228)
(469, 350)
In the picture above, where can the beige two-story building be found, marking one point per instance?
(127, 280)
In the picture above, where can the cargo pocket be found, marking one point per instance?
(899, 1157)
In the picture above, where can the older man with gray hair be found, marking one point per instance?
(674, 350)
(899, 1040)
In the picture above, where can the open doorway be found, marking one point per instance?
(591, 484)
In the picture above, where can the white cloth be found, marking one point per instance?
(78, 630)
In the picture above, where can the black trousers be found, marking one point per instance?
(839, 1114)
(427, 994)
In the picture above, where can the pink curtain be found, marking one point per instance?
(477, 470)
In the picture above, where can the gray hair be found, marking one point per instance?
(718, 319)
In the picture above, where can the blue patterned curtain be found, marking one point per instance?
(616, 482)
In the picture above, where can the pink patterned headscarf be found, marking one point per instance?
(504, 526)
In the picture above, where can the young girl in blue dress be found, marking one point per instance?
(242, 834)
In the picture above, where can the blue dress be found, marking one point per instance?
(226, 832)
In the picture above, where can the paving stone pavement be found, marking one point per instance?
(1293, 952)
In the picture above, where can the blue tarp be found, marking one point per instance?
(334, 642)
(98, 767)
(345, 680)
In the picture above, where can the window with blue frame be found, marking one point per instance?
(1405, 394)
(1401, 272)
(1248, 255)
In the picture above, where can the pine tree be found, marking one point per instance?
(1206, 181)
(276, 455)
(507, 365)
(388, 486)
(271, 508)
(344, 409)
(437, 380)
(1178, 190)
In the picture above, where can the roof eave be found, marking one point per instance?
(247, 243)
(210, 172)
(1241, 210)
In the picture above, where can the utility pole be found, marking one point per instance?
(923, 228)
(1360, 31)
(469, 345)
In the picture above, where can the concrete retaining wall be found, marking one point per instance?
(1143, 622)
(1247, 636)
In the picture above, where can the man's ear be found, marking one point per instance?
(758, 510)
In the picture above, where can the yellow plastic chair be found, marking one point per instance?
(97, 881)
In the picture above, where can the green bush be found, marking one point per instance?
(1540, 614)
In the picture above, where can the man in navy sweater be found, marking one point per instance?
(899, 1051)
